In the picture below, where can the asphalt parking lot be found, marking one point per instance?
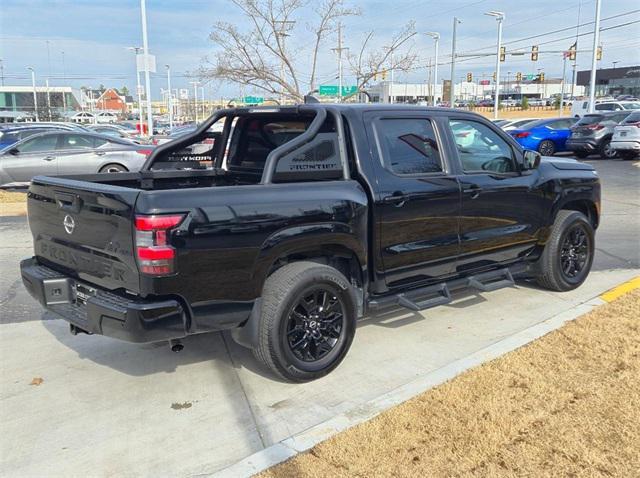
(87, 405)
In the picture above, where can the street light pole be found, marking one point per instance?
(594, 60)
(145, 46)
(195, 99)
(137, 49)
(452, 94)
(436, 40)
(35, 96)
(565, 55)
(500, 18)
(170, 102)
(64, 81)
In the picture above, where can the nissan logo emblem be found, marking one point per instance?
(69, 224)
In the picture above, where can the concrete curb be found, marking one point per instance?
(307, 439)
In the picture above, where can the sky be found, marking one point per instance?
(95, 34)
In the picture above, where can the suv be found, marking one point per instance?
(580, 108)
(299, 220)
(626, 136)
(593, 132)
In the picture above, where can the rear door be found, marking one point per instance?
(417, 201)
(34, 156)
(77, 154)
(559, 132)
(501, 212)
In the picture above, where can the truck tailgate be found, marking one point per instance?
(85, 229)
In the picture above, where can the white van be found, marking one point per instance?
(581, 107)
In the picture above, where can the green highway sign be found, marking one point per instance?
(531, 77)
(332, 90)
(253, 100)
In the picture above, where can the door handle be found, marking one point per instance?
(99, 153)
(397, 199)
(49, 158)
(473, 190)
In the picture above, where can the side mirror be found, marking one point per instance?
(531, 160)
(14, 151)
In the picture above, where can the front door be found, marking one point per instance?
(34, 156)
(502, 211)
(417, 203)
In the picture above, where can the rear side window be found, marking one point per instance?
(408, 146)
(76, 141)
(589, 119)
(606, 107)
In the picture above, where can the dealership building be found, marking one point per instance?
(613, 81)
(17, 101)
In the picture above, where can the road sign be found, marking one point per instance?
(531, 77)
(332, 90)
(484, 82)
(151, 62)
(253, 100)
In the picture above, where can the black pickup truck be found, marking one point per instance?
(296, 221)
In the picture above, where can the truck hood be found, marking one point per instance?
(567, 164)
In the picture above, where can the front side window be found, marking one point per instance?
(408, 146)
(480, 148)
(38, 144)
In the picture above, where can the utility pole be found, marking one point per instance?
(145, 46)
(594, 60)
(452, 95)
(195, 99)
(436, 40)
(281, 34)
(499, 16)
(338, 50)
(170, 99)
(137, 49)
(64, 82)
(48, 100)
(35, 96)
(565, 55)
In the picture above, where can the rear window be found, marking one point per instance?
(589, 119)
(633, 118)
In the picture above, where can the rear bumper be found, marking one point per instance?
(581, 145)
(98, 311)
(626, 145)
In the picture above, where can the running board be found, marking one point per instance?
(438, 294)
(491, 280)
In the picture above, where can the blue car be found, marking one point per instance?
(547, 136)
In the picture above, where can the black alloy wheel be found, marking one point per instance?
(315, 324)
(575, 252)
(546, 148)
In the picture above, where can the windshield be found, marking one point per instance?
(631, 106)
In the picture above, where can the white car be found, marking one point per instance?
(626, 136)
(82, 117)
(580, 108)
(106, 117)
(537, 102)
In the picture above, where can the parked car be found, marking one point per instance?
(115, 131)
(593, 132)
(321, 215)
(517, 123)
(626, 136)
(82, 117)
(13, 134)
(509, 103)
(580, 108)
(485, 102)
(547, 136)
(106, 117)
(537, 101)
(63, 153)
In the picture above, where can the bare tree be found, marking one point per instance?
(259, 57)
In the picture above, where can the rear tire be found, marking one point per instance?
(606, 151)
(567, 257)
(546, 148)
(307, 322)
(113, 168)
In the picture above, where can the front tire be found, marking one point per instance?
(546, 148)
(307, 322)
(567, 257)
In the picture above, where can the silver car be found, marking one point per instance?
(63, 153)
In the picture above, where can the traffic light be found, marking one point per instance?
(572, 51)
(541, 77)
(494, 76)
(518, 77)
(384, 75)
(599, 53)
(469, 77)
(534, 53)
(503, 53)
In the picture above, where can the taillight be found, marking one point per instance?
(522, 134)
(155, 256)
(636, 124)
(146, 152)
(595, 127)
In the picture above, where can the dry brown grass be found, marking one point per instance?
(12, 203)
(565, 405)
